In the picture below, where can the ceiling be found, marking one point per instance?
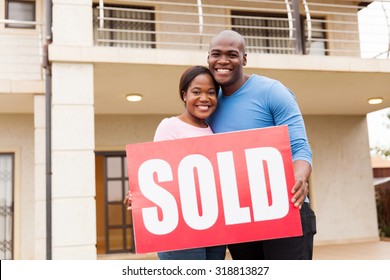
(317, 92)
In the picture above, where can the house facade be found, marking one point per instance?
(64, 126)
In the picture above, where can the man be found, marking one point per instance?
(252, 101)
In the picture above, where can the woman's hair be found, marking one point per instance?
(190, 74)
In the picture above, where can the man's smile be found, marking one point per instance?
(223, 70)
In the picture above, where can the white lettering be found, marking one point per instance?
(279, 207)
(159, 196)
(198, 193)
(234, 214)
(207, 191)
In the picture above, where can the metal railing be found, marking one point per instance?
(334, 28)
(21, 50)
(310, 27)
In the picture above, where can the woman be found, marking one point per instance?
(198, 90)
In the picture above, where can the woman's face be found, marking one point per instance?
(201, 97)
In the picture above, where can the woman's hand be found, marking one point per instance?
(128, 199)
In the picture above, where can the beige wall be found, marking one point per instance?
(16, 136)
(113, 132)
(342, 191)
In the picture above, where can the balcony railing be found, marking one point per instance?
(21, 50)
(336, 28)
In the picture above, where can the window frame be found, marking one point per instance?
(110, 25)
(31, 3)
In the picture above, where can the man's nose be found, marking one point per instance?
(224, 59)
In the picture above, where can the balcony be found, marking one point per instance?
(323, 28)
(326, 28)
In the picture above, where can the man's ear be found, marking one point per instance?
(244, 60)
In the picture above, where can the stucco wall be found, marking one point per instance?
(113, 132)
(342, 191)
(16, 136)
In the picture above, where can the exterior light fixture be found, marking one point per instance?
(375, 100)
(134, 97)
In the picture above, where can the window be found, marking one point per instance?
(316, 45)
(270, 33)
(264, 33)
(6, 205)
(20, 10)
(124, 26)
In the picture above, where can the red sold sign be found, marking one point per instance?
(212, 190)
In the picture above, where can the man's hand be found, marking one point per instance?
(300, 191)
(302, 171)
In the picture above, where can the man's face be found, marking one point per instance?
(226, 60)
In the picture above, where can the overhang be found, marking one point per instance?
(322, 85)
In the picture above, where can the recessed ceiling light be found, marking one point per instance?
(134, 97)
(375, 100)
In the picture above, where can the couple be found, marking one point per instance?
(245, 102)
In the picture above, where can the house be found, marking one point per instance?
(64, 127)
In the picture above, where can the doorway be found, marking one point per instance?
(113, 221)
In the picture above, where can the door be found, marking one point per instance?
(114, 223)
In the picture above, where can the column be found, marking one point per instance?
(73, 158)
(40, 177)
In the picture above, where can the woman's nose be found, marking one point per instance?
(203, 97)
